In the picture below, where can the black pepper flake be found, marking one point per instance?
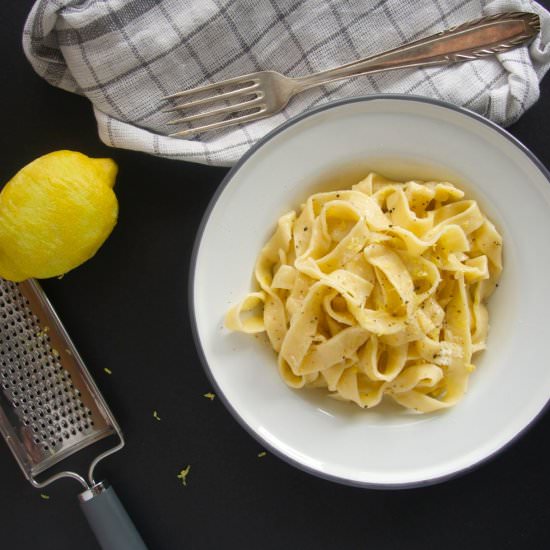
(305, 228)
(337, 195)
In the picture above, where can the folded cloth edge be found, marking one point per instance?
(505, 103)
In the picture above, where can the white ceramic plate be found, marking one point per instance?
(401, 137)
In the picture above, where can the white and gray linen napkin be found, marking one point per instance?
(125, 55)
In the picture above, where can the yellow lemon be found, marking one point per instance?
(55, 213)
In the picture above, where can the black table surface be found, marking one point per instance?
(126, 310)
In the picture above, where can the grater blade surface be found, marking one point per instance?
(49, 405)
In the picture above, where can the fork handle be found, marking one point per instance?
(472, 40)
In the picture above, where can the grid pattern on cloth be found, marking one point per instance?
(125, 55)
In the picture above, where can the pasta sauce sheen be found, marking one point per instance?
(376, 292)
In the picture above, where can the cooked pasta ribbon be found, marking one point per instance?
(377, 291)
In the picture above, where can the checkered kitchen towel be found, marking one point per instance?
(125, 55)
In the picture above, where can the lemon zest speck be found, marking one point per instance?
(107, 370)
(44, 496)
(156, 415)
(262, 454)
(210, 396)
(183, 474)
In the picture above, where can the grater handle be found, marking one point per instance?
(109, 520)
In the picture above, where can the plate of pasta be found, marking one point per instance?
(368, 292)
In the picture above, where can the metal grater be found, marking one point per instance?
(51, 408)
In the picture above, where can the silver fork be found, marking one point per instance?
(264, 93)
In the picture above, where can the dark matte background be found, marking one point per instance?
(127, 310)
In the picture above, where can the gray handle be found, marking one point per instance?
(109, 520)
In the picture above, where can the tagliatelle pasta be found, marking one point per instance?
(377, 291)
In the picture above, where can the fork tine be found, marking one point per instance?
(236, 80)
(229, 109)
(212, 98)
(262, 113)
